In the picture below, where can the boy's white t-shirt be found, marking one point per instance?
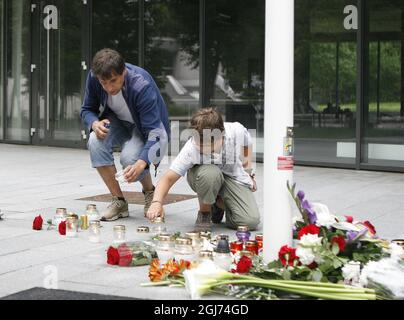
(228, 160)
(119, 106)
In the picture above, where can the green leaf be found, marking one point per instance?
(337, 264)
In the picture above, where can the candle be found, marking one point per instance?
(71, 227)
(251, 246)
(119, 234)
(242, 233)
(236, 246)
(94, 231)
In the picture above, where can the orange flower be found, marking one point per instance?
(171, 268)
(155, 273)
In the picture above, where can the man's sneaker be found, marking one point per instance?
(203, 221)
(148, 198)
(217, 214)
(117, 209)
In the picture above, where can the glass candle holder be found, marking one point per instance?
(205, 255)
(183, 249)
(71, 227)
(243, 234)
(92, 213)
(259, 237)
(196, 240)
(205, 235)
(94, 232)
(236, 246)
(84, 222)
(61, 212)
(251, 246)
(165, 247)
(222, 237)
(60, 215)
(158, 226)
(248, 254)
(119, 234)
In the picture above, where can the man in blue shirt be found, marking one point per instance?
(123, 107)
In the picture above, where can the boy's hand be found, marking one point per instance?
(99, 128)
(254, 188)
(133, 171)
(156, 210)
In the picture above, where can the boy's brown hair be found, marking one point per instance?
(108, 62)
(206, 118)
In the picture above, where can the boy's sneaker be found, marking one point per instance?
(203, 221)
(217, 214)
(117, 209)
(148, 198)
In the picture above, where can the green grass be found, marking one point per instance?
(388, 107)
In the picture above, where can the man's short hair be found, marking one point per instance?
(206, 118)
(108, 62)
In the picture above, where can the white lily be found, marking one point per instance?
(199, 280)
(324, 217)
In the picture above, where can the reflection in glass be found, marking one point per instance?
(1, 68)
(383, 142)
(325, 83)
(172, 54)
(115, 25)
(235, 44)
(18, 71)
(66, 77)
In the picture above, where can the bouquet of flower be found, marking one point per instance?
(131, 254)
(324, 244)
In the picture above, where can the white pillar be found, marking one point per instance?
(279, 65)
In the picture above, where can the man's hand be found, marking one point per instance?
(99, 128)
(156, 210)
(254, 188)
(133, 171)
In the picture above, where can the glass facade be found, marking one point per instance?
(383, 105)
(234, 68)
(171, 55)
(1, 69)
(325, 83)
(349, 75)
(18, 59)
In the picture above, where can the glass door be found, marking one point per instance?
(383, 112)
(59, 71)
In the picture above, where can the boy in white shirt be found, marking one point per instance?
(217, 160)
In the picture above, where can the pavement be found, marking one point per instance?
(37, 180)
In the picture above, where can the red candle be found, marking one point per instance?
(251, 246)
(236, 246)
(259, 238)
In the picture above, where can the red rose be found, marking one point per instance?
(309, 229)
(112, 256)
(313, 265)
(37, 224)
(370, 227)
(340, 241)
(349, 219)
(125, 255)
(287, 255)
(244, 265)
(62, 228)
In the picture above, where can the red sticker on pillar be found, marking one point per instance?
(285, 163)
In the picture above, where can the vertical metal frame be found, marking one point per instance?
(141, 33)
(4, 66)
(360, 84)
(203, 99)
